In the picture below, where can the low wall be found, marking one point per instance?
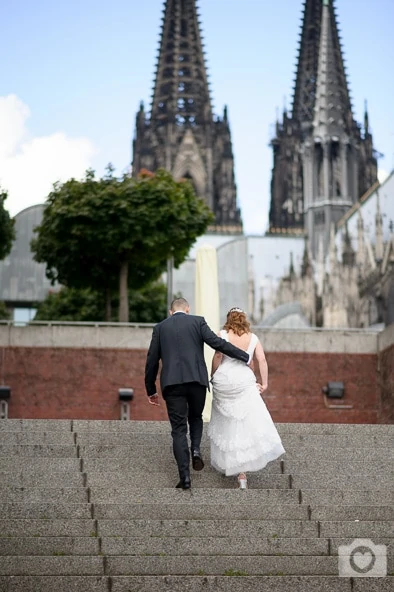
(68, 371)
(386, 374)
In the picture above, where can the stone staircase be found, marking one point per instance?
(91, 506)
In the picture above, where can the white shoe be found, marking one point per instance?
(242, 480)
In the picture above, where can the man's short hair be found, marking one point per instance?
(178, 303)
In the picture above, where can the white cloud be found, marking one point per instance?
(29, 166)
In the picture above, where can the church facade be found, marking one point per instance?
(323, 160)
(181, 133)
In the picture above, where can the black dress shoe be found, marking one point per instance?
(197, 461)
(184, 483)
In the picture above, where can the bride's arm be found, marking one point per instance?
(259, 356)
(216, 361)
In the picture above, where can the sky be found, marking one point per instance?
(73, 73)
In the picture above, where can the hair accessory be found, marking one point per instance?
(236, 309)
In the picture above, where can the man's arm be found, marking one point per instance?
(152, 363)
(221, 344)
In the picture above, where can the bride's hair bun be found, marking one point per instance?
(237, 321)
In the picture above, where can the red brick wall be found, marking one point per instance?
(79, 383)
(386, 365)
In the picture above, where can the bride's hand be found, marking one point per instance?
(262, 387)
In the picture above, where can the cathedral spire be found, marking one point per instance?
(360, 255)
(319, 33)
(332, 111)
(181, 134)
(378, 231)
(181, 91)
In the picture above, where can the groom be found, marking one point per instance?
(178, 342)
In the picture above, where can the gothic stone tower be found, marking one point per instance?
(323, 162)
(181, 134)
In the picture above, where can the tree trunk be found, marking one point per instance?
(123, 293)
(108, 307)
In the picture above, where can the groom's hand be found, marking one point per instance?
(154, 399)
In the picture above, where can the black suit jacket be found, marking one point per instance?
(178, 342)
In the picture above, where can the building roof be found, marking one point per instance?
(22, 280)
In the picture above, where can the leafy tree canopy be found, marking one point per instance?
(98, 232)
(7, 230)
(4, 314)
(147, 305)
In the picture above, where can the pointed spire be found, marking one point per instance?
(308, 60)
(366, 120)
(225, 113)
(333, 258)
(306, 267)
(291, 268)
(181, 92)
(378, 231)
(320, 266)
(360, 255)
(348, 254)
(332, 101)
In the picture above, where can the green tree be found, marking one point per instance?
(147, 305)
(4, 314)
(105, 233)
(7, 230)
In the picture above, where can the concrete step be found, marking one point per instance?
(250, 583)
(152, 464)
(30, 438)
(301, 454)
(283, 428)
(196, 511)
(349, 482)
(62, 566)
(36, 425)
(244, 511)
(203, 495)
(49, 546)
(352, 513)
(214, 546)
(59, 584)
(207, 528)
(37, 495)
(92, 506)
(45, 510)
(210, 528)
(170, 479)
(175, 565)
(260, 480)
(289, 440)
(356, 497)
(40, 465)
(31, 478)
(162, 427)
(38, 451)
(48, 528)
(194, 584)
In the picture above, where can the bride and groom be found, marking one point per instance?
(242, 434)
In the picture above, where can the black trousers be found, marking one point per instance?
(185, 404)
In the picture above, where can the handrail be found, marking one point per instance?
(12, 323)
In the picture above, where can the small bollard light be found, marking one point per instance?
(334, 390)
(5, 394)
(126, 395)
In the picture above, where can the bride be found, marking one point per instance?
(242, 434)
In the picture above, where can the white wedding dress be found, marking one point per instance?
(242, 434)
